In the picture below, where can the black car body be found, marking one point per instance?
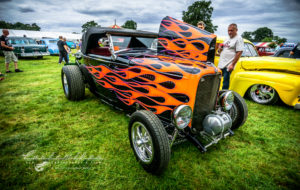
(167, 82)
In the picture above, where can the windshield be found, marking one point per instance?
(22, 41)
(52, 41)
(124, 42)
(249, 51)
(17, 41)
(30, 41)
(120, 42)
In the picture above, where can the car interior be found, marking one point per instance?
(99, 45)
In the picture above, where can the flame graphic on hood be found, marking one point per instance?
(158, 83)
(180, 39)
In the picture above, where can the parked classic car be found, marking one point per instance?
(265, 51)
(265, 79)
(71, 44)
(51, 44)
(28, 47)
(171, 92)
(263, 48)
(285, 52)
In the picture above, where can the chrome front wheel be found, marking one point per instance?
(142, 142)
(149, 141)
(65, 83)
(263, 94)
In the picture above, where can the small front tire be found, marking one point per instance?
(149, 141)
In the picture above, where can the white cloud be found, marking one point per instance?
(68, 16)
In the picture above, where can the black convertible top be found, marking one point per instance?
(95, 32)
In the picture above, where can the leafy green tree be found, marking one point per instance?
(261, 33)
(19, 26)
(279, 40)
(88, 25)
(130, 24)
(35, 27)
(272, 45)
(200, 11)
(267, 39)
(247, 35)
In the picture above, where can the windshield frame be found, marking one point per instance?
(138, 39)
(252, 50)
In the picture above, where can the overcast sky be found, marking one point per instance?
(282, 16)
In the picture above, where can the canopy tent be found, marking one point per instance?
(263, 44)
(43, 34)
(115, 26)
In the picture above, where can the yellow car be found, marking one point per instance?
(265, 79)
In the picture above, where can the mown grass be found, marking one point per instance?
(84, 145)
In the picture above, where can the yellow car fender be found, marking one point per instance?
(286, 85)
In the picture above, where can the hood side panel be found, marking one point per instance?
(180, 39)
(158, 83)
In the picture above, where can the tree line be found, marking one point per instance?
(19, 26)
(263, 34)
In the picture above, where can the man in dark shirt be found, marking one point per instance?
(295, 53)
(63, 50)
(8, 51)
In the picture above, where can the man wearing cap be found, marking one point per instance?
(8, 52)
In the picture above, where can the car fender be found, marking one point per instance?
(287, 85)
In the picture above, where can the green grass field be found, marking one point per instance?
(48, 142)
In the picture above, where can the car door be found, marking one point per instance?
(109, 75)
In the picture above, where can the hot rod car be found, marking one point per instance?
(167, 82)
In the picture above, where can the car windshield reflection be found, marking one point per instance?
(249, 51)
(125, 42)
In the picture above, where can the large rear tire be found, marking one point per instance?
(72, 81)
(149, 141)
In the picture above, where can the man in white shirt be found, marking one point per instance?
(231, 51)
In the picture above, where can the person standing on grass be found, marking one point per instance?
(79, 45)
(68, 49)
(63, 50)
(231, 51)
(8, 52)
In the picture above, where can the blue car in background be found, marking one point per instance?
(52, 45)
(71, 44)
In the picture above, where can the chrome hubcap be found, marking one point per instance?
(142, 142)
(66, 87)
(233, 113)
(262, 93)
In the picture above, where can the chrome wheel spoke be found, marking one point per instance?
(148, 150)
(66, 87)
(262, 93)
(142, 142)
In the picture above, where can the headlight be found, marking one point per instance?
(227, 99)
(182, 116)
